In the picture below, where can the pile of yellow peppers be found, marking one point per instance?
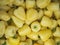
(29, 22)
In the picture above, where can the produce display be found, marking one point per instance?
(29, 22)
